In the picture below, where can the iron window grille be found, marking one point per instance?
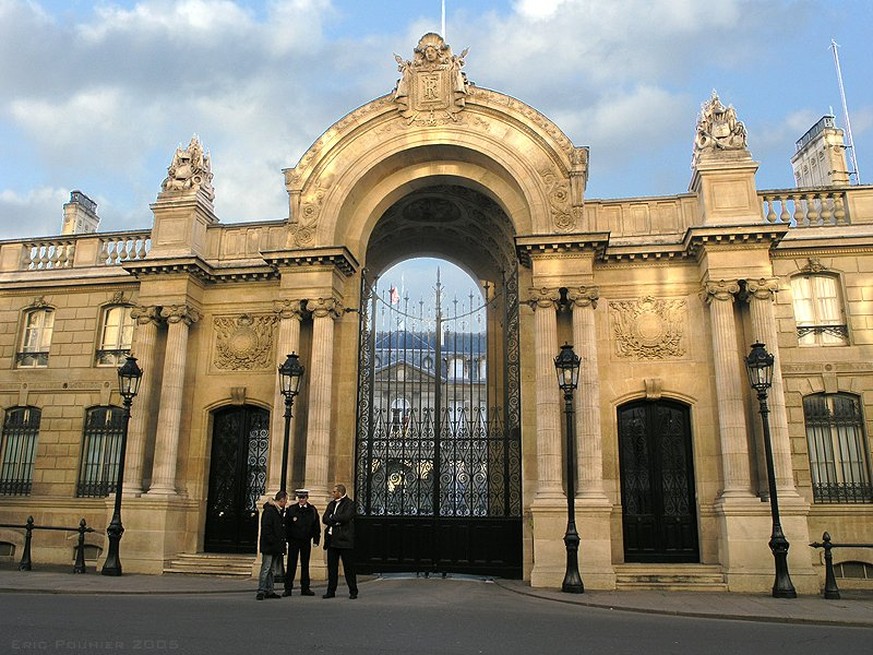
(839, 460)
(20, 432)
(101, 451)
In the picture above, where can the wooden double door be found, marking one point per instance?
(659, 516)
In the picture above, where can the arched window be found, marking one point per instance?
(20, 431)
(838, 458)
(36, 337)
(116, 335)
(818, 310)
(101, 451)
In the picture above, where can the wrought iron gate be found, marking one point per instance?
(659, 515)
(237, 478)
(438, 469)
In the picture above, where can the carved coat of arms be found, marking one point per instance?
(432, 87)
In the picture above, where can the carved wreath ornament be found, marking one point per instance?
(244, 343)
(648, 328)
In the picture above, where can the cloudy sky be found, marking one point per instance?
(97, 95)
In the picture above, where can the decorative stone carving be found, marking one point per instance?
(39, 303)
(649, 328)
(563, 216)
(722, 290)
(243, 343)
(763, 288)
(813, 265)
(718, 128)
(190, 170)
(584, 296)
(288, 309)
(180, 313)
(323, 307)
(432, 88)
(143, 315)
(543, 298)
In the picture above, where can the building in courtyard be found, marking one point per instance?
(448, 424)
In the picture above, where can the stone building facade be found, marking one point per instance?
(660, 296)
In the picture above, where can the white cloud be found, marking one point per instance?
(39, 211)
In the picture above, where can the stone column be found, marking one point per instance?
(544, 303)
(761, 294)
(179, 318)
(143, 348)
(589, 441)
(324, 312)
(289, 314)
(728, 388)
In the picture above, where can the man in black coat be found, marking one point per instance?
(302, 529)
(339, 541)
(272, 543)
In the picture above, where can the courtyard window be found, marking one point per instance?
(20, 431)
(36, 338)
(116, 336)
(101, 451)
(818, 310)
(839, 460)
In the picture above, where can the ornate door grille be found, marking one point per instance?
(438, 468)
(659, 517)
(237, 478)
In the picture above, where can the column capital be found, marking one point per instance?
(764, 288)
(584, 296)
(325, 307)
(722, 290)
(145, 314)
(543, 298)
(180, 313)
(288, 309)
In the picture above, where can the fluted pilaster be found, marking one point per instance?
(544, 303)
(179, 318)
(143, 348)
(589, 440)
(289, 314)
(324, 312)
(761, 294)
(728, 387)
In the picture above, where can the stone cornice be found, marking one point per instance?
(531, 247)
(338, 257)
(199, 269)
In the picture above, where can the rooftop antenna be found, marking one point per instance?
(850, 144)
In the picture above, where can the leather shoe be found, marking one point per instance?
(306, 592)
(353, 596)
(272, 595)
(329, 595)
(260, 596)
(286, 593)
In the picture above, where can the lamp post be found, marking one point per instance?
(129, 377)
(759, 365)
(567, 369)
(290, 373)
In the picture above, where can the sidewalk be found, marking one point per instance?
(855, 608)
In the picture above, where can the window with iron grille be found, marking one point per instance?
(818, 310)
(101, 451)
(116, 336)
(839, 460)
(20, 431)
(36, 338)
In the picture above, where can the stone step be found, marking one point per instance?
(211, 564)
(670, 577)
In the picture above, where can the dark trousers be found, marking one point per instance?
(334, 555)
(298, 548)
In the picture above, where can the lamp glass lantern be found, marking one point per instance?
(759, 366)
(290, 374)
(129, 378)
(567, 368)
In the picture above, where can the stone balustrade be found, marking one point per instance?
(73, 251)
(805, 207)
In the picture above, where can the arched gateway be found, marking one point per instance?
(437, 168)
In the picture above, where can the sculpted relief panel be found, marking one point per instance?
(243, 343)
(649, 328)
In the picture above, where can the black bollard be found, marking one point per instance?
(26, 564)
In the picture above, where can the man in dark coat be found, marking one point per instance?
(339, 541)
(302, 529)
(272, 543)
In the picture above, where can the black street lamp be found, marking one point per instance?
(567, 369)
(290, 373)
(129, 377)
(759, 365)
